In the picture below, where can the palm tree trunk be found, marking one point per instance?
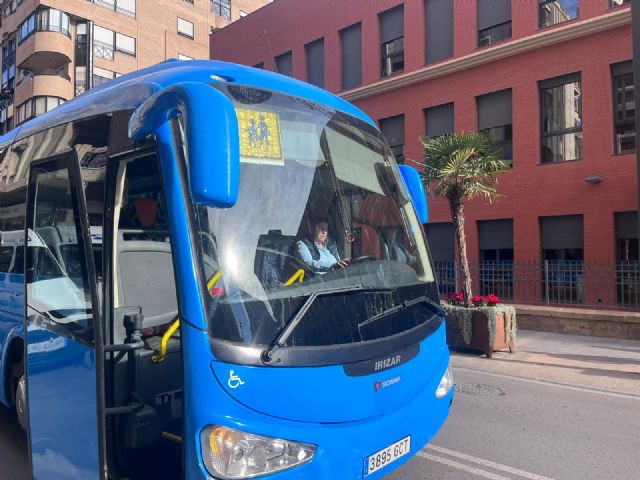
(457, 215)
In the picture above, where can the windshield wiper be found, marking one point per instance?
(292, 323)
(433, 306)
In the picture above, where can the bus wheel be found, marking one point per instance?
(21, 402)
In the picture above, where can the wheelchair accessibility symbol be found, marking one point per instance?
(234, 380)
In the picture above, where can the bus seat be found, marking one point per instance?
(146, 210)
(146, 279)
(271, 263)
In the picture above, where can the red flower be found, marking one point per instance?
(492, 300)
(477, 300)
(455, 298)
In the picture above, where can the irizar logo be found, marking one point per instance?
(387, 363)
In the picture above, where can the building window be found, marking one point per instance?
(392, 40)
(393, 130)
(126, 7)
(562, 242)
(495, 239)
(439, 120)
(185, 28)
(441, 238)
(494, 118)
(627, 265)
(103, 42)
(125, 44)
(494, 21)
(8, 65)
(221, 8)
(552, 12)
(351, 47)
(11, 7)
(284, 64)
(44, 20)
(626, 224)
(618, 3)
(184, 57)
(561, 118)
(100, 76)
(36, 106)
(439, 30)
(624, 107)
(315, 62)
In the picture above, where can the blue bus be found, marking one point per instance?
(212, 271)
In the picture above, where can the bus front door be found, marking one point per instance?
(61, 327)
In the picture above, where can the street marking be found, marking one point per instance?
(628, 396)
(487, 463)
(462, 466)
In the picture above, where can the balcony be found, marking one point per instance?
(44, 50)
(44, 84)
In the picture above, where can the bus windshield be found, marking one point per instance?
(321, 209)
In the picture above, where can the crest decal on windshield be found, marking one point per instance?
(259, 137)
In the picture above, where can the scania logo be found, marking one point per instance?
(388, 363)
(387, 383)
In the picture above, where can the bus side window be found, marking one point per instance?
(18, 262)
(6, 255)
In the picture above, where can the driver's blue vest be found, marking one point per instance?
(315, 253)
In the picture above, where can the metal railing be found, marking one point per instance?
(549, 282)
(116, 7)
(80, 87)
(103, 50)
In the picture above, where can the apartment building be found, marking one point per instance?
(53, 50)
(549, 80)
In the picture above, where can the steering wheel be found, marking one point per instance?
(296, 262)
(362, 259)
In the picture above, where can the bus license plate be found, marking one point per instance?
(387, 455)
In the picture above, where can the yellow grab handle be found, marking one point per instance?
(163, 345)
(211, 283)
(298, 276)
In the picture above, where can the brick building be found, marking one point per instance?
(53, 50)
(549, 80)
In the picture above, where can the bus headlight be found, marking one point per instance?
(232, 454)
(446, 384)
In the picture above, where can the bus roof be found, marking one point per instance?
(127, 92)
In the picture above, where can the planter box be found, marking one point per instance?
(483, 337)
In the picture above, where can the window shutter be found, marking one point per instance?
(559, 232)
(393, 130)
(439, 120)
(351, 40)
(392, 24)
(494, 109)
(495, 234)
(493, 12)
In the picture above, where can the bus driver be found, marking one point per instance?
(320, 253)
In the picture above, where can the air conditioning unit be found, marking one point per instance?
(625, 142)
(485, 40)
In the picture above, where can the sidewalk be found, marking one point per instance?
(591, 362)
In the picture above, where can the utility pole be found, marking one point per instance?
(635, 38)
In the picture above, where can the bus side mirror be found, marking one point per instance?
(414, 185)
(211, 137)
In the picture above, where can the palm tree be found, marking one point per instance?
(459, 167)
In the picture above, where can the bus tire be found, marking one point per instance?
(20, 394)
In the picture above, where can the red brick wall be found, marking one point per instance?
(530, 190)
